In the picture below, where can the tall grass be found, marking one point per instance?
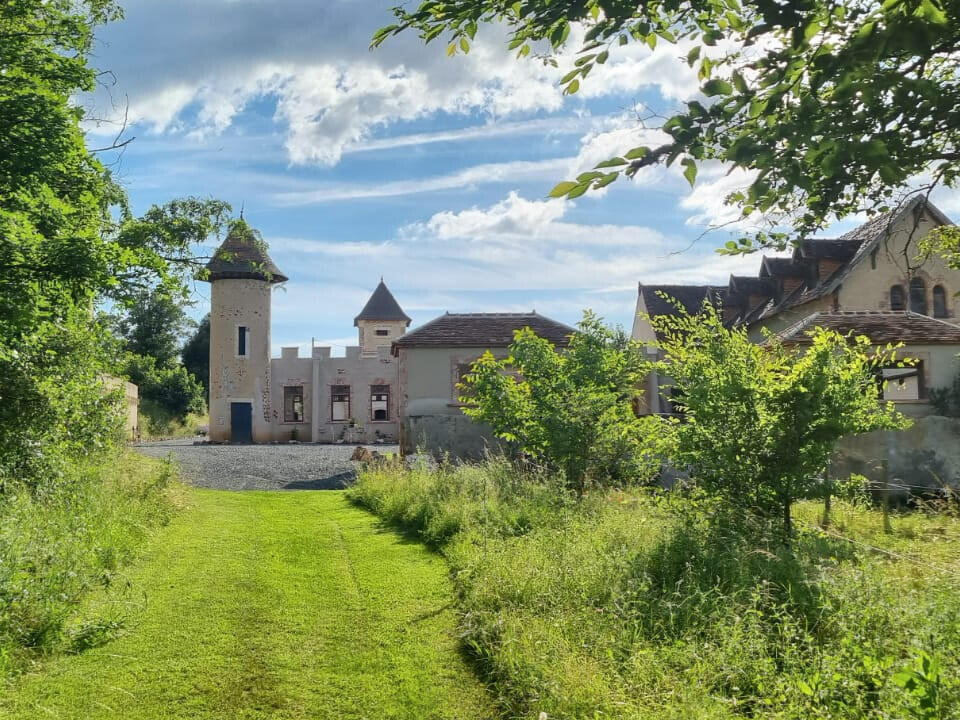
(65, 537)
(633, 605)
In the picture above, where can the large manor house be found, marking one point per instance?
(400, 385)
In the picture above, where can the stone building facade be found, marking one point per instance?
(256, 398)
(872, 281)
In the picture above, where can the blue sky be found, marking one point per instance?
(403, 163)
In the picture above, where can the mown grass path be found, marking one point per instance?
(269, 605)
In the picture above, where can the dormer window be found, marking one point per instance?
(896, 298)
(918, 296)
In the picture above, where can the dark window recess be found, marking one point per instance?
(896, 298)
(340, 402)
(873, 258)
(918, 296)
(242, 341)
(383, 333)
(939, 302)
(460, 374)
(293, 404)
(379, 402)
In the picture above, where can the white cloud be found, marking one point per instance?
(192, 67)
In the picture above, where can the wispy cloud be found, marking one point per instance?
(517, 171)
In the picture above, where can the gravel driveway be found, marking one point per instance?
(261, 467)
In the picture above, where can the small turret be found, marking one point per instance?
(381, 321)
(241, 274)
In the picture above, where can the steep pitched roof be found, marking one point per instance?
(482, 330)
(881, 326)
(243, 255)
(691, 297)
(382, 306)
(850, 249)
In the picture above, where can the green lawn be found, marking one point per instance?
(268, 605)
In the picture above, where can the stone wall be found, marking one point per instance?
(234, 303)
(926, 456)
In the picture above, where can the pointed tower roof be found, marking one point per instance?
(382, 306)
(243, 255)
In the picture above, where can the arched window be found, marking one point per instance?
(918, 296)
(896, 298)
(939, 301)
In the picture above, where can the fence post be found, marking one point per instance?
(828, 482)
(885, 495)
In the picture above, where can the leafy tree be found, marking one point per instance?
(67, 241)
(196, 353)
(169, 387)
(154, 325)
(831, 106)
(758, 422)
(570, 409)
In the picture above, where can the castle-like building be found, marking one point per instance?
(256, 398)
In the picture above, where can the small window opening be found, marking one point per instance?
(242, 340)
(382, 333)
(896, 298)
(918, 296)
(902, 383)
(379, 402)
(340, 403)
(293, 404)
(939, 302)
(873, 258)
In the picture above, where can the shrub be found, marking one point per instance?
(619, 606)
(62, 539)
(171, 388)
(570, 409)
(758, 422)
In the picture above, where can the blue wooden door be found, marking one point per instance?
(241, 422)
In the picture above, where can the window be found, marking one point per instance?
(939, 301)
(242, 332)
(896, 298)
(379, 402)
(293, 404)
(382, 333)
(340, 403)
(459, 374)
(902, 383)
(918, 296)
(873, 258)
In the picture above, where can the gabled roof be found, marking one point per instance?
(382, 306)
(482, 330)
(781, 267)
(881, 326)
(850, 249)
(243, 255)
(691, 297)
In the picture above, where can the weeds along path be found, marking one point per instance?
(268, 605)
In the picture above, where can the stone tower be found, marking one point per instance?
(241, 277)
(381, 321)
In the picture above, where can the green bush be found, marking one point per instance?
(640, 604)
(62, 539)
(170, 388)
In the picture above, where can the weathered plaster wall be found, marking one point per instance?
(359, 371)
(432, 420)
(292, 370)
(926, 455)
(370, 342)
(246, 379)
